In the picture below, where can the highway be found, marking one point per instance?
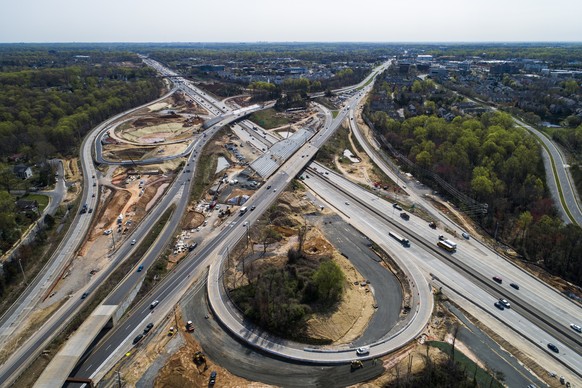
(551, 310)
(321, 138)
(467, 272)
(359, 215)
(279, 181)
(39, 286)
(34, 345)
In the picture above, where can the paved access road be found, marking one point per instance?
(384, 285)
(234, 355)
(563, 177)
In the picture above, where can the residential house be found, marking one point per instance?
(22, 171)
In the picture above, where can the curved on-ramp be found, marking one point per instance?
(417, 321)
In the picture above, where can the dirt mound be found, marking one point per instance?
(114, 208)
(317, 246)
(193, 220)
(149, 121)
(180, 371)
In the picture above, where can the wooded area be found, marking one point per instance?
(47, 112)
(498, 164)
(50, 97)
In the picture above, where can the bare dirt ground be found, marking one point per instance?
(121, 195)
(72, 175)
(179, 369)
(154, 132)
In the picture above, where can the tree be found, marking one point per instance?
(268, 236)
(329, 280)
(524, 221)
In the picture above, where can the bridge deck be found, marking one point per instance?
(63, 363)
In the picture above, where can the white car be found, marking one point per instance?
(576, 328)
(133, 241)
(362, 350)
(107, 232)
(505, 303)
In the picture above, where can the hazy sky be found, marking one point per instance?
(293, 20)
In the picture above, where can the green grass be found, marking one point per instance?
(326, 102)
(334, 113)
(334, 146)
(268, 119)
(204, 173)
(482, 376)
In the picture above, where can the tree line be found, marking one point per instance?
(497, 163)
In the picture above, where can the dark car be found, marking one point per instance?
(498, 279)
(268, 187)
(212, 379)
(253, 208)
(140, 268)
(514, 285)
(85, 294)
(137, 339)
(148, 328)
(499, 306)
(404, 216)
(553, 348)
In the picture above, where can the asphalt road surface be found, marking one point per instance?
(493, 355)
(384, 284)
(253, 365)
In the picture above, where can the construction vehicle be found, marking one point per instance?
(356, 364)
(171, 332)
(199, 358)
(189, 327)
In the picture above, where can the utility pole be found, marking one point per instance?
(113, 238)
(247, 235)
(21, 269)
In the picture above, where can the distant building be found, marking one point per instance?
(438, 72)
(424, 58)
(403, 67)
(16, 157)
(295, 70)
(211, 68)
(465, 67)
(22, 171)
(504, 68)
(27, 205)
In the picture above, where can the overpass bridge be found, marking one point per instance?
(66, 359)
